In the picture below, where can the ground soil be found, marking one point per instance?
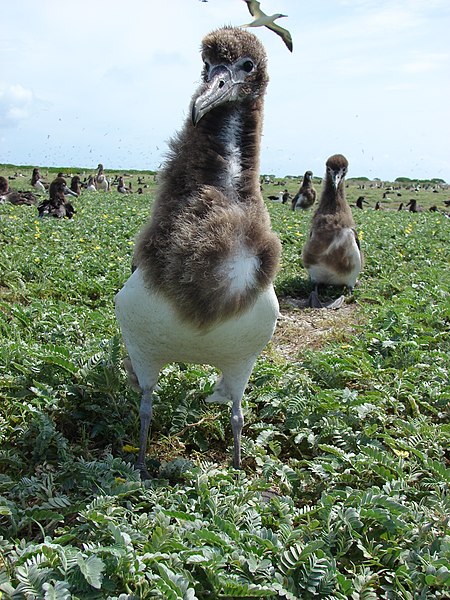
(300, 328)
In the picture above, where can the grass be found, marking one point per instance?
(345, 486)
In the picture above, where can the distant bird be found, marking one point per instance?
(263, 20)
(67, 190)
(306, 195)
(413, 206)
(400, 206)
(277, 198)
(101, 180)
(202, 290)
(37, 182)
(75, 185)
(4, 185)
(121, 187)
(18, 198)
(57, 205)
(377, 206)
(332, 254)
(359, 203)
(90, 186)
(7, 195)
(285, 197)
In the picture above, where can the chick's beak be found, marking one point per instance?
(219, 88)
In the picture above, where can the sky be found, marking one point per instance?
(89, 81)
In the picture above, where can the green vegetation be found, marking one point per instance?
(345, 488)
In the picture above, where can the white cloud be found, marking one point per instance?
(427, 62)
(15, 104)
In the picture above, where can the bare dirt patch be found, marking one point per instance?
(300, 328)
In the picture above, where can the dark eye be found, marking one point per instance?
(248, 66)
(207, 66)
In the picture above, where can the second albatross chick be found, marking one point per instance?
(332, 254)
(306, 195)
(202, 291)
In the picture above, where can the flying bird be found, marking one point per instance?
(332, 254)
(263, 20)
(201, 290)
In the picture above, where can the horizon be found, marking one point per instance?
(84, 169)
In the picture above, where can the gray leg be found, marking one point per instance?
(233, 383)
(237, 423)
(145, 413)
(315, 302)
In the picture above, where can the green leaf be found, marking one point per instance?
(59, 591)
(92, 569)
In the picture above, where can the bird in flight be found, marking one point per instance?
(263, 20)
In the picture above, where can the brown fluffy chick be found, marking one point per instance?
(306, 195)
(332, 254)
(202, 287)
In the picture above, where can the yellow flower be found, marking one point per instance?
(401, 453)
(129, 448)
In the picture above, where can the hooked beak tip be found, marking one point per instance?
(194, 116)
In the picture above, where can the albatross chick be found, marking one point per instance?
(332, 254)
(306, 195)
(202, 291)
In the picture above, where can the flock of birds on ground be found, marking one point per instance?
(201, 287)
(306, 196)
(58, 203)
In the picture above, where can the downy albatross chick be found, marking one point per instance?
(306, 195)
(332, 253)
(201, 291)
(57, 205)
(101, 181)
